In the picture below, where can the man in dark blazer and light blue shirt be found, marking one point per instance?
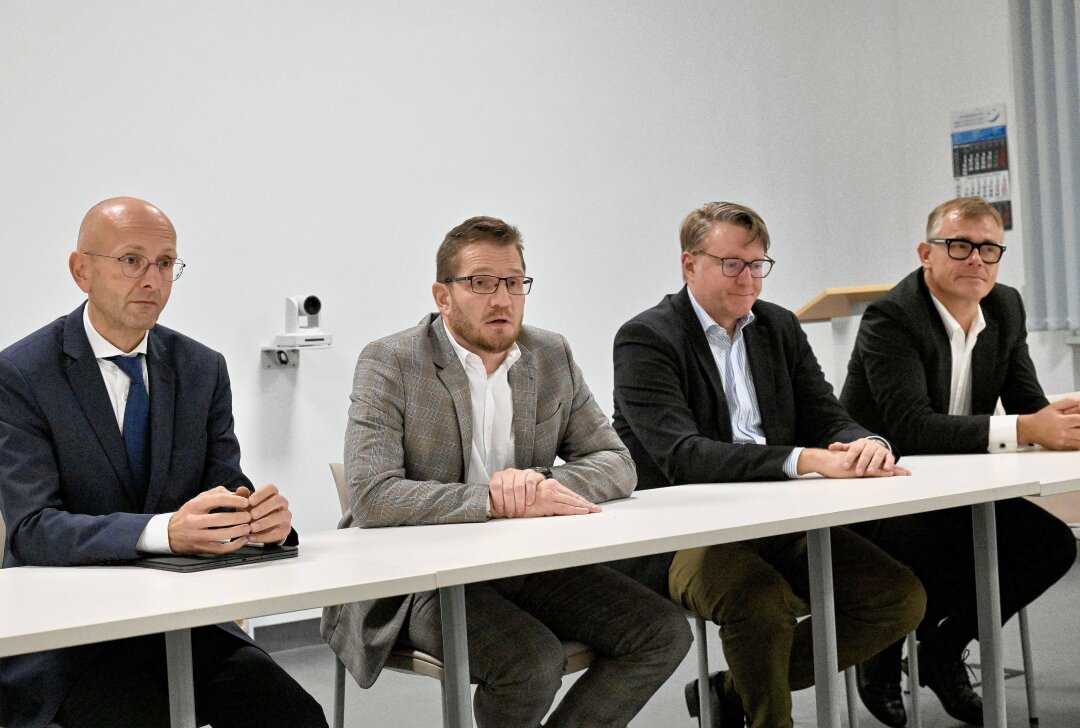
(713, 385)
(931, 360)
(460, 419)
(116, 439)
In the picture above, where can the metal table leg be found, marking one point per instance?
(181, 682)
(823, 611)
(913, 680)
(851, 688)
(704, 691)
(984, 526)
(1029, 668)
(457, 698)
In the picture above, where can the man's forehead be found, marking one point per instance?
(731, 235)
(954, 224)
(143, 237)
(128, 222)
(485, 254)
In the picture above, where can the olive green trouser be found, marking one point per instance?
(756, 590)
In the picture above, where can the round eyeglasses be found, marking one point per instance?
(134, 265)
(487, 285)
(733, 267)
(960, 249)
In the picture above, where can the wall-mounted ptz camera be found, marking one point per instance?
(302, 324)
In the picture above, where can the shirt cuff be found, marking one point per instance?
(155, 537)
(882, 440)
(791, 465)
(1002, 436)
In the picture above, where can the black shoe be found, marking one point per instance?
(727, 711)
(950, 682)
(878, 680)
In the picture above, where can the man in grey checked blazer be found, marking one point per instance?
(460, 419)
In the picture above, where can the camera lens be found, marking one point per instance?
(312, 305)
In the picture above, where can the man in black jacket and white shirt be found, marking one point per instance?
(931, 360)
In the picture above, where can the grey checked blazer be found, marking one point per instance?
(407, 450)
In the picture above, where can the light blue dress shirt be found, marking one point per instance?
(730, 356)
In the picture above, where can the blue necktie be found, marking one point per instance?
(136, 421)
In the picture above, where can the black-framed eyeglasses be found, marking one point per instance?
(487, 285)
(960, 249)
(733, 267)
(134, 265)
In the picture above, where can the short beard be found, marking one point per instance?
(472, 335)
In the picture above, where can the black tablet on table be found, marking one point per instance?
(202, 562)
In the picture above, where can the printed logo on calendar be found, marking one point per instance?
(980, 152)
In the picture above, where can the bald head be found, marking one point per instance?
(122, 214)
(116, 237)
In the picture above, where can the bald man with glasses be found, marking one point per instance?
(116, 440)
(931, 360)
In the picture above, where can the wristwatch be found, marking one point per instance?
(546, 472)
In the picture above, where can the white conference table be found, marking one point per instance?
(114, 602)
(1059, 472)
(667, 519)
(360, 564)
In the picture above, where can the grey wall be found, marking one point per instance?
(326, 147)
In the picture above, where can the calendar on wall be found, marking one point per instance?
(980, 152)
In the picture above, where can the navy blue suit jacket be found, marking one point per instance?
(65, 487)
(671, 412)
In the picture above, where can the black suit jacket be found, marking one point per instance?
(671, 413)
(899, 376)
(65, 486)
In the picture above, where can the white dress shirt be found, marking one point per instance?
(155, 537)
(1002, 436)
(492, 413)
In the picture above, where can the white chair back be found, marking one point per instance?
(338, 471)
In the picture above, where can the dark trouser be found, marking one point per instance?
(1035, 549)
(514, 629)
(237, 685)
(755, 590)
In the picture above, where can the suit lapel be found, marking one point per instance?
(940, 387)
(452, 375)
(162, 410)
(84, 375)
(761, 362)
(705, 360)
(522, 379)
(985, 378)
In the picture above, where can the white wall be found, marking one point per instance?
(955, 55)
(326, 148)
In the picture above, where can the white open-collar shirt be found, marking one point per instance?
(492, 413)
(1002, 435)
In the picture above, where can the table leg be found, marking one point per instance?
(984, 526)
(181, 682)
(851, 691)
(913, 680)
(704, 691)
(823, 611)
(457, 698)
